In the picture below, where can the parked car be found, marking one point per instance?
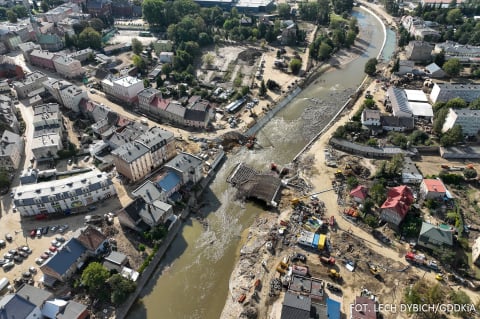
(53, 229)
(8, 266)
(26, 249)
(13, 251)
(8, 256)
(9, 238)
(39, 261)
(26, 274)
(39, 232)
(18, 258)
(23, 254)
(61, 230)
(3, 244)
(33, 232)
(44, 256)
(3, 262)
(53, 249)
(32, 270)
(60, 239)
(45, 230)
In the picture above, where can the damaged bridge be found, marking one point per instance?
(253, 184)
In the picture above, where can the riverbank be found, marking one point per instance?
(253, 254)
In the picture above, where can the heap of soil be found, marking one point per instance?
(249, 55)
(232, 139)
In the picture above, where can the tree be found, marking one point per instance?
(439, 58)
(371, 66)
(396, 65)
(372, 142)
(350, 38)
(460, 298)
(424, 292)
(439, 120)
(456, 103)
(20, 11)
(208, 59)
(167, 69)
(352, 182)
(139, 62)
(154, 12)
(89, 38)
(94, 278)
(324, 51)
(475, 104)
(371, 221)
(11, 16)
(452, 67)
(97, 24)
(263, 88)
(137, 46)
(452, 136)
(418, 137)
(44, 6)
(284, 10)
(470, 173)
(121, 288)
(398, 139)
(295, 65)
(454, 16)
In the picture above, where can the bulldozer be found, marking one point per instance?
(373, 269)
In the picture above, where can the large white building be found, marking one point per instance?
(66, 93)
(61, 12)
(124, 88)
(68, 195)
(136, 159)
(68, 67)
(468, 119)
(48, 131)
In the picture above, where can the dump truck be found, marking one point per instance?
(300, 270)
(327, 261)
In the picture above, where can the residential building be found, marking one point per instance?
(397, 124)
(464, 53)
(296, 306)
(188, 166)
(51, 42)
(61, 12)
(35, 295)
(419, 51)
(440, 3)
(92, 239)
(396, 206)
(32, 82)
(8, 113)
(370, 117)
(48, 131)
(122, 9)
(47, 115)
(289, 34)
(68, 67)
(468, 119)
(27, 48)
(136, 159)
(54, 86)
(115, 261)
(433, 237)
(62, 265)
(198, 114)
(99, 8)
(432, 189)
(62, 309)
(117, 48)
(165, 57)
(11, 149)
(150, 191)
(43, 59)
(140, 215)
(169, 183)
(420, 29)
(67, 195)
(124, 88)
(444, 92)
(14, 306)
(359, 194)
(364, 308)
(409, 103)
(81, 55)
(410, 172)
(71, 97)
(476, 252)
(162, 46)
(405, 66)
(434, 71)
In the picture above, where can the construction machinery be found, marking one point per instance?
(297, 200)
(332, 273)
(327, 261)
(373, 269)
(282, 267)
(347, 170)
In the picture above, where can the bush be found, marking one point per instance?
(141, 247)
(371, 220)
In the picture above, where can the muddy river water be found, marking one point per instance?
(192, 281)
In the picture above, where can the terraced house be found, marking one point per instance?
(67, 196)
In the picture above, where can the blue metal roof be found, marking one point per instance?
(169, 182)
(66, 256)
(15, 307)
(333, 309)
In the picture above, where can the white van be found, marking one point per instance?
(3, 284)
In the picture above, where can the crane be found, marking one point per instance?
(297, 200)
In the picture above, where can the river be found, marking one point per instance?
(192, 281)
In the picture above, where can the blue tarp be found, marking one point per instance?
(315, 240)
(169, 182)
(333, 309)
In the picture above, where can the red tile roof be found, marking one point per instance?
(434, 185)
(360, 192)
(399, 199)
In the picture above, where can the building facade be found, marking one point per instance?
(71, 97)
(43, 59)
(468, 119)
(68, 67)
(11, 150)
(124, 88)
(444, 92)
(33, 81)
(67, 195)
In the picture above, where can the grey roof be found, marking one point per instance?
(15, 307)
(133, 210)
(31, 78)
(148, 92)
(399, 101)
(46, 108)
(72, 310)
(435, 235)
(296, 306)
(184, 162)
(131, 151)
(467, 92)
(155, 137)
(154, 212)
(10, 142)
(195, 115)
(65, 257)
(176, 108)
(27, 46)
(43, 54)
(432, 68)
(368, 150)
(35, 295)
(148, 191)
(371, 114)
(116, 257)
(395, 121)
(410, 169)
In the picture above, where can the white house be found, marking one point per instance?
(68, 195)
(165, 57)
(468, 119)
(371, 117)
(432, 189)
(124, 88)
(68, 67)
(71, 97)
(188, 166)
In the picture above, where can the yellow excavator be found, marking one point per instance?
(297, 200)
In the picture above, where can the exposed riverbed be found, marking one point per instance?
(193, 279)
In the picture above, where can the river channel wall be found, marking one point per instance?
(122, 311)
